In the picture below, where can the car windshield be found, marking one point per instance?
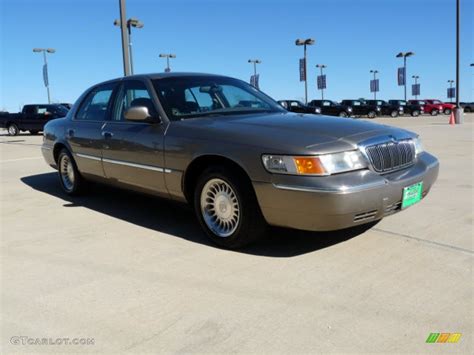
(198, 96)
(436, 101)
(60, 110)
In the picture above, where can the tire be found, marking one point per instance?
(34, 133)
(394, 113)
(343, 114)
(13, 129)
(434, 113)
(237, 220)
(372, 114)
(415, 113)
(70, 179)
(447, 111)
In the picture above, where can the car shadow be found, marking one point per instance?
(178, 219)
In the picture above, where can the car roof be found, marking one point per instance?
(153, 76)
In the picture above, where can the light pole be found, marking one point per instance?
(255, 62)
(305, 42)
(458, 111)
(375, 72)
(132, 22)
(405, 55)
(45, 67)
(416, 77)
(125, 46)
(321, 67)
(167, 56)
(451, 82)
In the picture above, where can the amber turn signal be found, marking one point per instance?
(309, 165)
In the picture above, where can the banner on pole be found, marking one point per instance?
(302, 70)
(451, 93)
(374, 85)
(254, 81)
(45, 75)
(415, 90)
(401, 76)
(321, 82)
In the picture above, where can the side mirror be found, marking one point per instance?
(137, 113)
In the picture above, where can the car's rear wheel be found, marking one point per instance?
(434, 113)
(227, 208)
(372, 114)
(415, 113)
(13, 129)
(69, 177)
(447, 111)
(343, 114)
(394, 113)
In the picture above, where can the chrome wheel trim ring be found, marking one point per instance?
(11, 130)
(66, 171)
(220, 207)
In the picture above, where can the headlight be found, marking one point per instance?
(378, 109)
(317, 110)
(321, 165)
(349, 109)
(418, 146)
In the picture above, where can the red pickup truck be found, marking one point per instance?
(432, 109)
(447, 108)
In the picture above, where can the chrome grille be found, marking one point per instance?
(391, 156)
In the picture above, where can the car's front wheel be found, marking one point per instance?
(13, 129)
(34, 132)
(227, 208)
(342, 114)
(394, 113)
(447, 111)
(434, 113)
(415, 113)
(69, 177)
(372, 114)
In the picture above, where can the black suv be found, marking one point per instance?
(362, 108)
(331, 108)
(387, 108)
(412, 109)
(467, 106)
(298, 107)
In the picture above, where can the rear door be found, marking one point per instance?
(85, 132)
(133, 151)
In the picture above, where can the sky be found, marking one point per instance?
(219, 36)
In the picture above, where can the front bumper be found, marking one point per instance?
(343, 200)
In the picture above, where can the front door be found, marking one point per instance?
(133, 151)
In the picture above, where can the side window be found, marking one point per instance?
(131, 94)
(94, 107)
(326, 103)
(294, 104)
(202, 99)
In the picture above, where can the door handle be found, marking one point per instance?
(70, 133)
(107, 135)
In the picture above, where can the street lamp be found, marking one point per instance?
(416, 77)
(255, 62)
(451, 82)
(45, 67)
(321, 67)
(405, 55)
(132, 22)
(305, 42)
(167, 56)
(375, 72)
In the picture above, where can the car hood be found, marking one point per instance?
(297, 133)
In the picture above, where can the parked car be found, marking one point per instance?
(432, 109)
(298, 107)
(408, 108)
(67, 105)
(444, 107)
(32, 118)
(467, 106)
(362, 108)
(187, 137)
(331, 108)
(386, 108)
